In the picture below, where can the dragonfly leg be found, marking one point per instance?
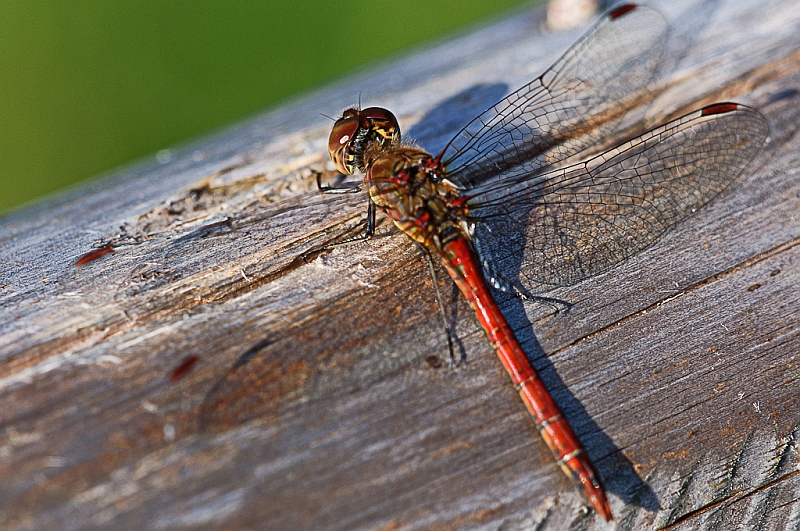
(368, 232)
(558, 305)
(499, 281)
(326, 189)
(445, 322)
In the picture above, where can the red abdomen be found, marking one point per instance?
(459, 259)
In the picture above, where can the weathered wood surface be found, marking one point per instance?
(680, 369)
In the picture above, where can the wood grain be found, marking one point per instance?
(679, 369)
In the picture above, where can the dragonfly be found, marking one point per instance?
(522, 197)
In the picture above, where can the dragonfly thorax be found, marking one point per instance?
(408, 185)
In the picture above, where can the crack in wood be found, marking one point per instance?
(730, 497)
(728, 500)
(295, 263)
(680, 500)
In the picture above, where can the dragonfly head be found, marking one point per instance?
(359, 132)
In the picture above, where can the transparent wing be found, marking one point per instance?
(566, 225)
(570, 107)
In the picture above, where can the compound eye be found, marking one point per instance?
(343, 132)
(378, 113)
(382, 122)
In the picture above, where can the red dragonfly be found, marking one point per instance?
(516, 186)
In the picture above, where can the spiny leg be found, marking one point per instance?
(326, 189)
(445, 323)
(368, 232)
(508, 286)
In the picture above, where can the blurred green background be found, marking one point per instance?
(88, 85)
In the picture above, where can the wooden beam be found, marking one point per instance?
(124, 406)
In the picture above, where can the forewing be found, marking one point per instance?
(569, 224)
(570, 107)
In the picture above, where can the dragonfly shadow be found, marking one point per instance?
(441, 122)
(616, 471)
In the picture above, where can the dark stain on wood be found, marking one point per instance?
(91, 256)
(183, 368)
